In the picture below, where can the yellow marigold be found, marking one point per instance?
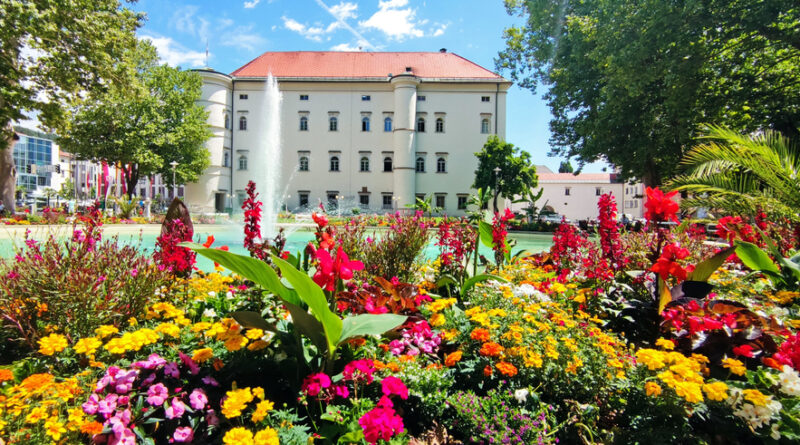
(437, 319)
(254, 334)
(735, 366)
(652, 358)
(54, 429)
(558, 287)
(756, 397)
(267, 436)
(257, 345)
(201, 355)
(201, 326)
(262, 408)
(52, 343)
(452, 358)
(441, 304)
(666, 344)
(236, 401)
(87, 346)
(533, 360)
(132, 322)
(105, 331)
(652, 389)
(689, 391)
(238, 436)
(170, 329)
(36, 415)
(235, 342)
(717, 391)
(449, 334)
(574, 364)
(258, 392)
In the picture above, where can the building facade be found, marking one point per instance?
(366, 130)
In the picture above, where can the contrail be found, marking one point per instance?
(358, 35)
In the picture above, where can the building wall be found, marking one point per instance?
(581, 202)
(459, 104)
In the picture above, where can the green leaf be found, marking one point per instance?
(309, 326)
(252, 319)
(704, 269)
(486, 233)
(446, 280)
(793, 267)
(369, 324)
(478, 279)
(664, 295)
(308, 291)
(352, 437)
(253, 269)
(753, 257)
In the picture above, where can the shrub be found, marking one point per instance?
(74, 285)
(397, 253)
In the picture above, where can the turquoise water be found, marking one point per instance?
(295, 241)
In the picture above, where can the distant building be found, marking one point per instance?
(371, 129)
(575, 196)
(38, 161)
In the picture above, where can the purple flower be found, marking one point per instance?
(183, 434)
(211, 418)
(208, 380)
(176, 409)
(198, 399)
(152, 362)
(91, 405)
(193, 368)
(107, 406)
(172, 370)
(157, 394)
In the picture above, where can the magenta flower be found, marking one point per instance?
(330, 269)
(183, 434)
(175, 409)
(392, 385)
(341, 391)
(107, 406)
(359, 370)
(193, 368)
(172, 370)
(314, 383)
(91, 405)
(152, 362)
(198, 399)
(157, 394)
(380, 423)
(208, 380)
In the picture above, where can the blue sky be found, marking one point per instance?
(238, 31)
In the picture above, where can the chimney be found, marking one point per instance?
(408, 69)
(443, 50)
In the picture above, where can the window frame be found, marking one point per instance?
(304, 97)
(242, 162)
(365, 124)
(486, 126)
(303, 123)
(334, 161)
(363, 164)
(390, 164)
(441, 165)
(242, 123)
(303, 160)
(420, 125)
(387, 124)
(419, 165)
(333, 123)
(439, 125)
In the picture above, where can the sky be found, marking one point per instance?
(237, 31)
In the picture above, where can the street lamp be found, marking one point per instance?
(174, 164)
(496, 174)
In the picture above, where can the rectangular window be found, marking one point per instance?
(421, 98)
(243, 97)
(364, 201)
(462, 203)
(387, 202)
(366, 98)
(598, 191)
(566, 191)
(304, 97)
(440, 201)
(485, 98)
(303, 199)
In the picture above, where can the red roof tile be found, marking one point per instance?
(336, 64)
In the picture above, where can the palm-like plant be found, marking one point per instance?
(741, 173)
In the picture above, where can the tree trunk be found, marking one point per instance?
(495, 202)
(8, 171)
(131, 179)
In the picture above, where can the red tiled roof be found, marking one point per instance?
(582, 177)
(336, 64)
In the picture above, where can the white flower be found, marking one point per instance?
(524, 290)
(521, 395)
(229, 295)
(790, 381)
(210, 313)
(212, 294)
(775, 433)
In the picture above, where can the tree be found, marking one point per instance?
(145, 126)
(631, 82)
(67, 191)
(565, 167)
(517, 175)
(52, 53)
(740, 174)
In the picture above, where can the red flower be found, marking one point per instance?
(667, 264)
(660, 206)
(743, 350)
(320, 219)
(330, 269)
(392, 385)
(315, 383)
(380, 423)
(789, 352)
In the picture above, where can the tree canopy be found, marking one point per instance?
(51, 54)
(565, 167)
(146, 125)
(517, 175)
(632, 81)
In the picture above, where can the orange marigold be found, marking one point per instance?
(452, 358)
(487, 371)
(92, 428)
(480, 334)
(491, 349)
(507, 369)
(6, 375)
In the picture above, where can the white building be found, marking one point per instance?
(372, 129)
(575, 196)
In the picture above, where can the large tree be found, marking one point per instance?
(51, 54)
(631, 81)
(146, 125)
(516, 174)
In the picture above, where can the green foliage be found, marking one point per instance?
(517, 174)
(127, 205)
(396, 252)
(565, 167)
(146, 125)
(629, 81)
(742, 173)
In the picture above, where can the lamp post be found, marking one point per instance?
(496, 192)
(174, 165)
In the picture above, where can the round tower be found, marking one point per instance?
(212, 191)
(404, 138)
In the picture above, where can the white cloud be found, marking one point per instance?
(252, 4)
(244, 37)
(439, 31)
(396, 20)
(314, 33)
(345, 47)
(343, 11)
(174, 54)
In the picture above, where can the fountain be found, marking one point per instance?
(267, 157)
